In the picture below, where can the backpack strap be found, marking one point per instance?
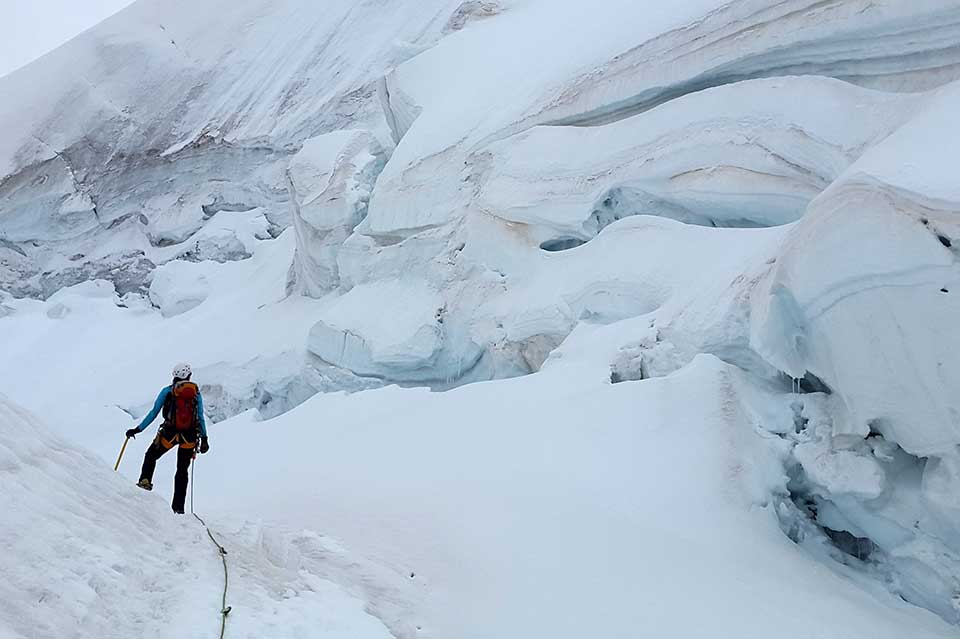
(168, 404)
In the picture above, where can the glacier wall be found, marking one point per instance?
(169, 115)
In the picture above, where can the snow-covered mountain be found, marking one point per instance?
(703, 254)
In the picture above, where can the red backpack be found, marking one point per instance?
(180, 409)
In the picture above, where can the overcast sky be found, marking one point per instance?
(30, 28)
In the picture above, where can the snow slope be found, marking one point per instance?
(561, 505)
(86, 554)
(625, 505)
(470, 515)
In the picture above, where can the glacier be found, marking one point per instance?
(581, 311)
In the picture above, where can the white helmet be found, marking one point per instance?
(182, 371)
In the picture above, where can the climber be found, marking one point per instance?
(182, 408)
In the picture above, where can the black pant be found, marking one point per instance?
(164, 441)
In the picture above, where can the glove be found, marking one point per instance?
(204, 445)
(132, 433)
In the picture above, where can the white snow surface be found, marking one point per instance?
(664, 525)
(89, 555)
(495, 306)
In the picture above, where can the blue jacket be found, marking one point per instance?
(158, 406)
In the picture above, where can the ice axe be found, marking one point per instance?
(120, 456)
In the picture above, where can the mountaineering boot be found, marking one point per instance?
(146, 484)
(179, 512)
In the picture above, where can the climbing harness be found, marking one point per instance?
(224, 608)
